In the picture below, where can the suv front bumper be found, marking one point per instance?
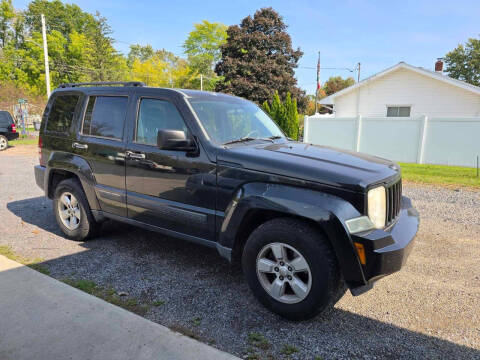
(386, 250)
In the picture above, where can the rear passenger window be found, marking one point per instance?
(62, 112)
(105, 116)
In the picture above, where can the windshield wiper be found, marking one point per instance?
(244, 139)
(271, 138)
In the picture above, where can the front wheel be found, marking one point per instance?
(3, 142)
(291, 268)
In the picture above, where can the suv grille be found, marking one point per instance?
(394, 201)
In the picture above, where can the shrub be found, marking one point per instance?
(285, 114)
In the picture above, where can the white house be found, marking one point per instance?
(404, 90)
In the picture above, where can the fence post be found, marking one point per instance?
(359, 132)
(423, 137)
(306, 120)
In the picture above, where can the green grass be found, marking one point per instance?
(109, 295)
(25, 141)
(258, 340)
(158, 303)
(35, 264)
(440, 175)
(289, 350)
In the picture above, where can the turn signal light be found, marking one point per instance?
(361, 253)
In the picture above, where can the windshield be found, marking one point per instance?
(228, 119)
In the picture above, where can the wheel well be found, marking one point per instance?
(252, 220)
(56, 176)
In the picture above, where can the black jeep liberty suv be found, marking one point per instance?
(304, 221)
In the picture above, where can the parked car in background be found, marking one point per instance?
(305, 222)
(8, 130)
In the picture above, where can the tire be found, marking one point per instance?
(82, 225)
(321, 285)
(3, 142)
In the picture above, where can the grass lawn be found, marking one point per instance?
(25, 141)
(441, 175)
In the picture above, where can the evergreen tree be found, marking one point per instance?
(285, 114)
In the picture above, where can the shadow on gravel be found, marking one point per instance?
(203, 294)
(36, 211)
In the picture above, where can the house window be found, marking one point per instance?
(398, 111)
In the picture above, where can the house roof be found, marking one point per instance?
(402, 65)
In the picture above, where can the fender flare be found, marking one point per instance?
(79, 167)
(325, 210)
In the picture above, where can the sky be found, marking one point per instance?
(378, 34)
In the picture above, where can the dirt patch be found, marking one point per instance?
(20, 150)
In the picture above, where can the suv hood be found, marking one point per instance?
(330, 166)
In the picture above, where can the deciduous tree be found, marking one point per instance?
(337, 83)
(202, 48)
(258, 59)
(463, 62)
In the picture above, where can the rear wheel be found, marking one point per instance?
(73, 212)
(3, 142)
(291, 268)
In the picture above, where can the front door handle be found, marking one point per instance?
(76, 145)
(135, 155)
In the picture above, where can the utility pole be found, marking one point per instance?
(201, 82)
(45, 54)
(358, 75)
(318, 83)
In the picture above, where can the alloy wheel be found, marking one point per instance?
(69, 210)
(3, 143)
(284, 273)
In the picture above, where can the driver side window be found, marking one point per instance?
(155, 115)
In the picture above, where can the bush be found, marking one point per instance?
(285, 114)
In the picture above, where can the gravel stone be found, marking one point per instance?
(430, 309)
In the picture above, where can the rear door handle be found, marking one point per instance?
(76, 145)
(135, 155)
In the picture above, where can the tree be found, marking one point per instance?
(258, 58)
(139, 52)
(203, 43)
(202, 48)
(463, 62)
(285, 114)
(64, 18)
(337, 83)
(103, 59)
(7, 14)
(163, 69)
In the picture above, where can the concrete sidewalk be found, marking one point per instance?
(42, 318)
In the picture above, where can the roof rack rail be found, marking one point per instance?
(103, 83)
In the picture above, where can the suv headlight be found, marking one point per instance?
(377, 206)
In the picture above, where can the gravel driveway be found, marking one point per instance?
(431, 309)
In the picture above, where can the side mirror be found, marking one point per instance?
(174, 140)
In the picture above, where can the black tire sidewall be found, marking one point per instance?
(84, 230)
(6, 139)
(317, 252)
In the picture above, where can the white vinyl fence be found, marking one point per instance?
(449, 141)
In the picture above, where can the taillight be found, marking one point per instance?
(40, 151)
(14, 129)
